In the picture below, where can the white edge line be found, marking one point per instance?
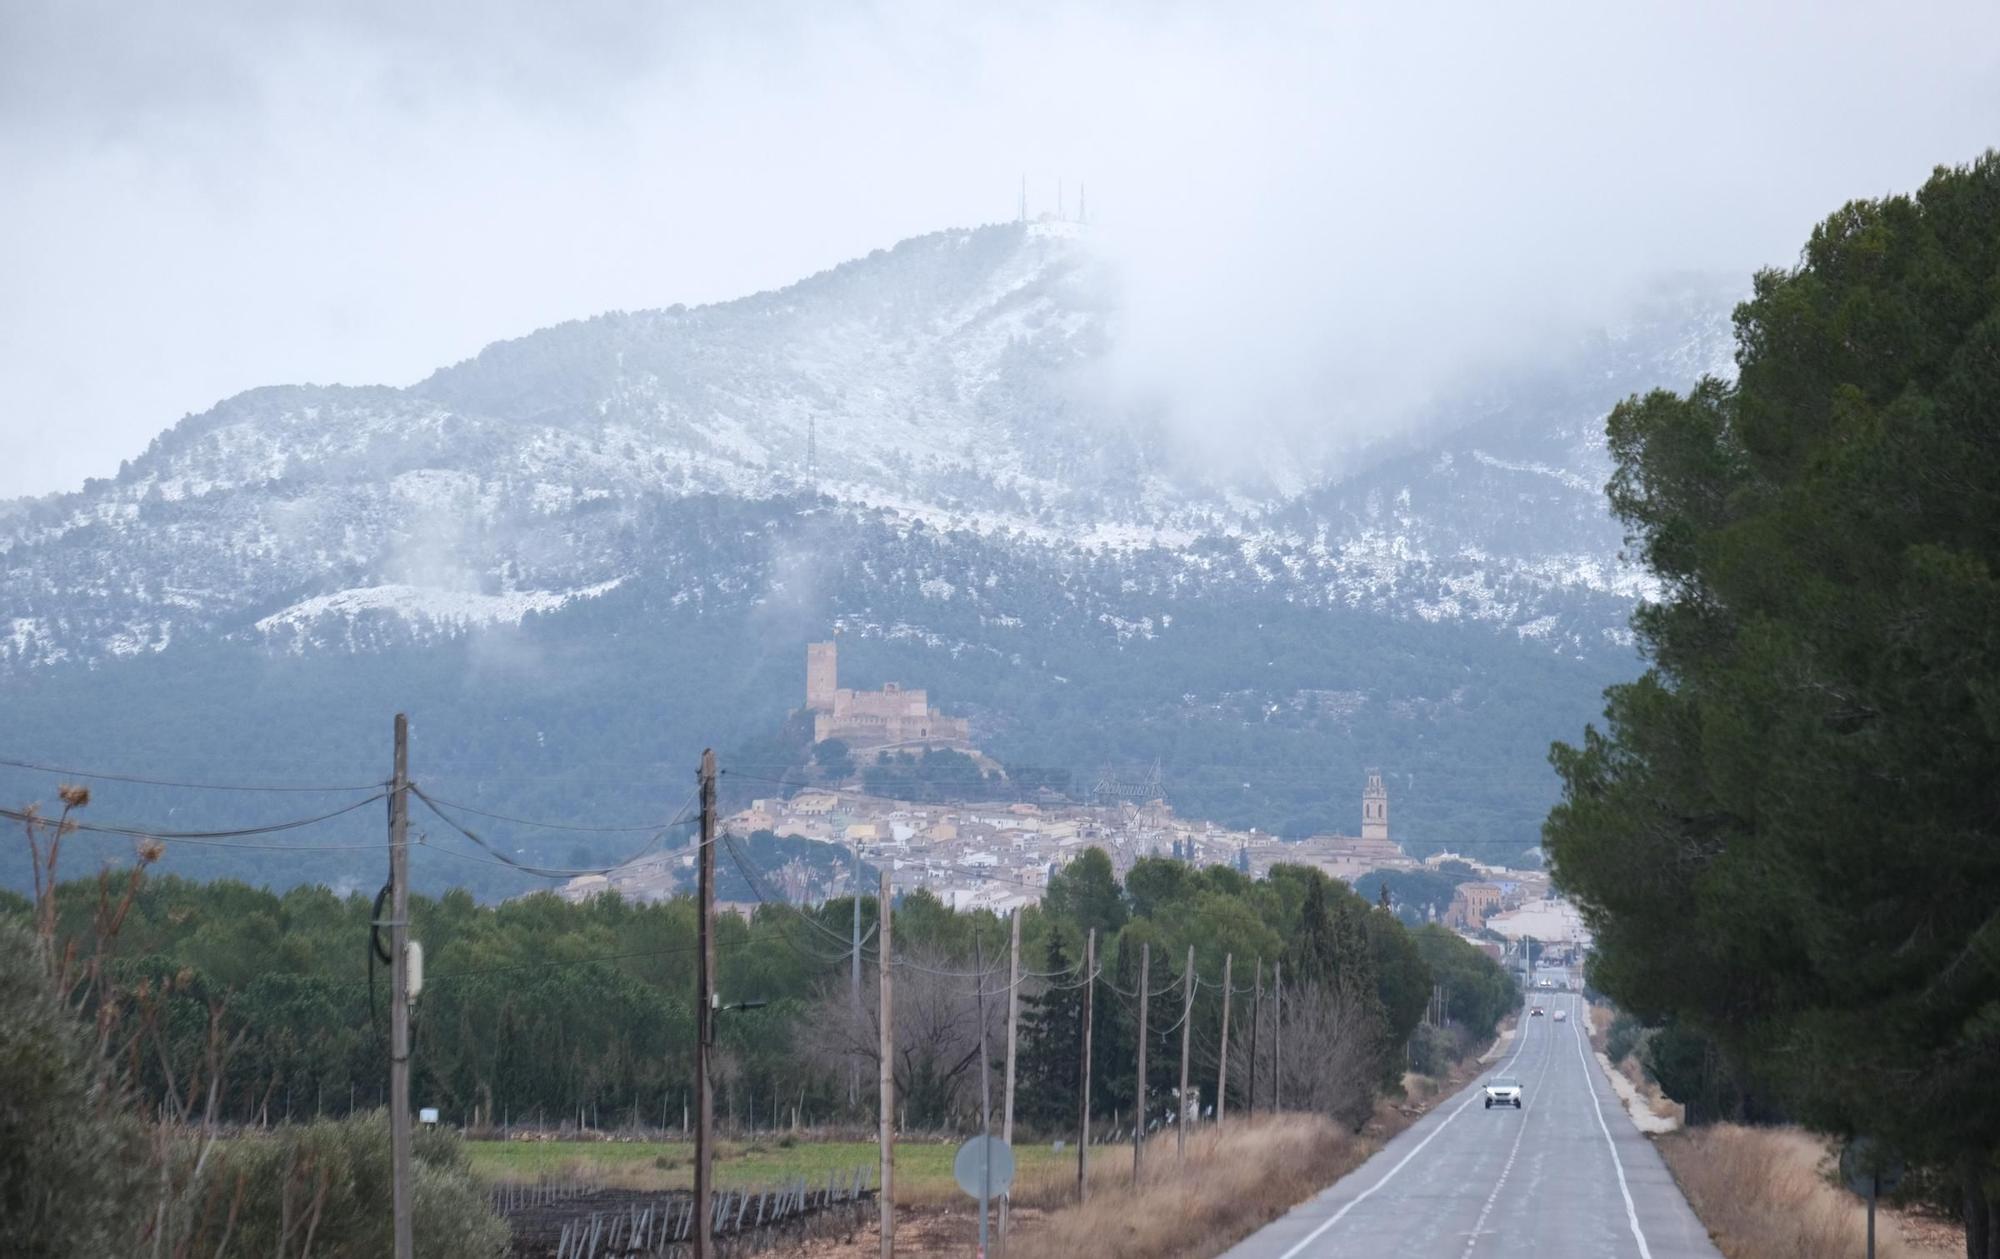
(1631, 1212)
(1520, 1043)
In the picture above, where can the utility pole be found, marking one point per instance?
(1013, 1019)
(1277, 1037)
(1222, 1070)
(985, 1096)
(704, 1016)
(1139, 1081)
(399, 991)
(886, 1198)
(1083, 1065)
(1187, 1028)
(854, 979)
(1256, 1021)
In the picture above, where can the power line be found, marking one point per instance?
(756, 890)
(594, 960)
(679, 820)
(107, 776)
(1134, 996)
(547, 872)
(135, 832)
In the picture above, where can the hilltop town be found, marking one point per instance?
(1000, 854)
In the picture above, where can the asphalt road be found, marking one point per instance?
(1567, 1176)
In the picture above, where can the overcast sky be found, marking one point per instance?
(200, 198)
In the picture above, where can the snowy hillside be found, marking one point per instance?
(605, 544)
(945, 383)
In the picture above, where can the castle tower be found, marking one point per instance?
(822, 676)
(1375, 808)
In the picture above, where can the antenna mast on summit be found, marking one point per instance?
(1024, 198)
(1060, 216)
(1081, 215)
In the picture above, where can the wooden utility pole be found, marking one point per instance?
(1256, 1021)
(854, 979)
(1083, 1065)
(1013, 1019)
(886, 1198)
(1187, 1027)
(1222, 1070)
(704, 1016)
(985, 1098)
(399, 992)
(1277, 1037)
(1139, 1082)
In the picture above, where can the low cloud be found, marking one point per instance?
(1323, 214)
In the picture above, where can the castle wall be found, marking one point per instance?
(872, 718)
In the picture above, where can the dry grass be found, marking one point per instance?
(1763, 1193)
(1230, 1184)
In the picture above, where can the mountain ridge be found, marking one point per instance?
(602, 501)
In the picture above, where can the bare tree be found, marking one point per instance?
(936, 1058)
(1332, 1052)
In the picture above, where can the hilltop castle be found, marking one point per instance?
(864, 719)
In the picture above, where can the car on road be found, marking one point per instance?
(1535, 1013)
(1562, 1016)
(1503, 1090)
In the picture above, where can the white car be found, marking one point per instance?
(1503, 1090)
(1562, 1016)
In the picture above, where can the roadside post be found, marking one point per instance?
(1870, 1171)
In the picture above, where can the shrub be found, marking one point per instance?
(1431, 1050)
(330, 1180)
(72, 1159)
(1623, 1037)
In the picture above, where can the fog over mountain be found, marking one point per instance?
(1327, 217)
(919, 451)
(555, 375)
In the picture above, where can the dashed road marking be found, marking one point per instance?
(1363, 1196)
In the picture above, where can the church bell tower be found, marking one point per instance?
(1375, 808)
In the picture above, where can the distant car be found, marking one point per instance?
(1536, 1012)
(1503, 1090)
(1562, 1016)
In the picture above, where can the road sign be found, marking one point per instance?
(1866, 1166)
(972, 1171)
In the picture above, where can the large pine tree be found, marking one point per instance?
(1787, 837)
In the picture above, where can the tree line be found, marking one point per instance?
(544, 1011)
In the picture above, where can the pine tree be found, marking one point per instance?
(1051, 1021)
(1785, 837)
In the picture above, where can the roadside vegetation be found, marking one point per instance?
(1768, 1193)
(1232, 1182)
(1784, 835)
(92, 1163)
(226, 1043)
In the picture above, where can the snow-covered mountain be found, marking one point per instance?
(946, 383)
(915, 449)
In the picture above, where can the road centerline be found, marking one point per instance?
(1520, 1043)
(1472, 1241)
